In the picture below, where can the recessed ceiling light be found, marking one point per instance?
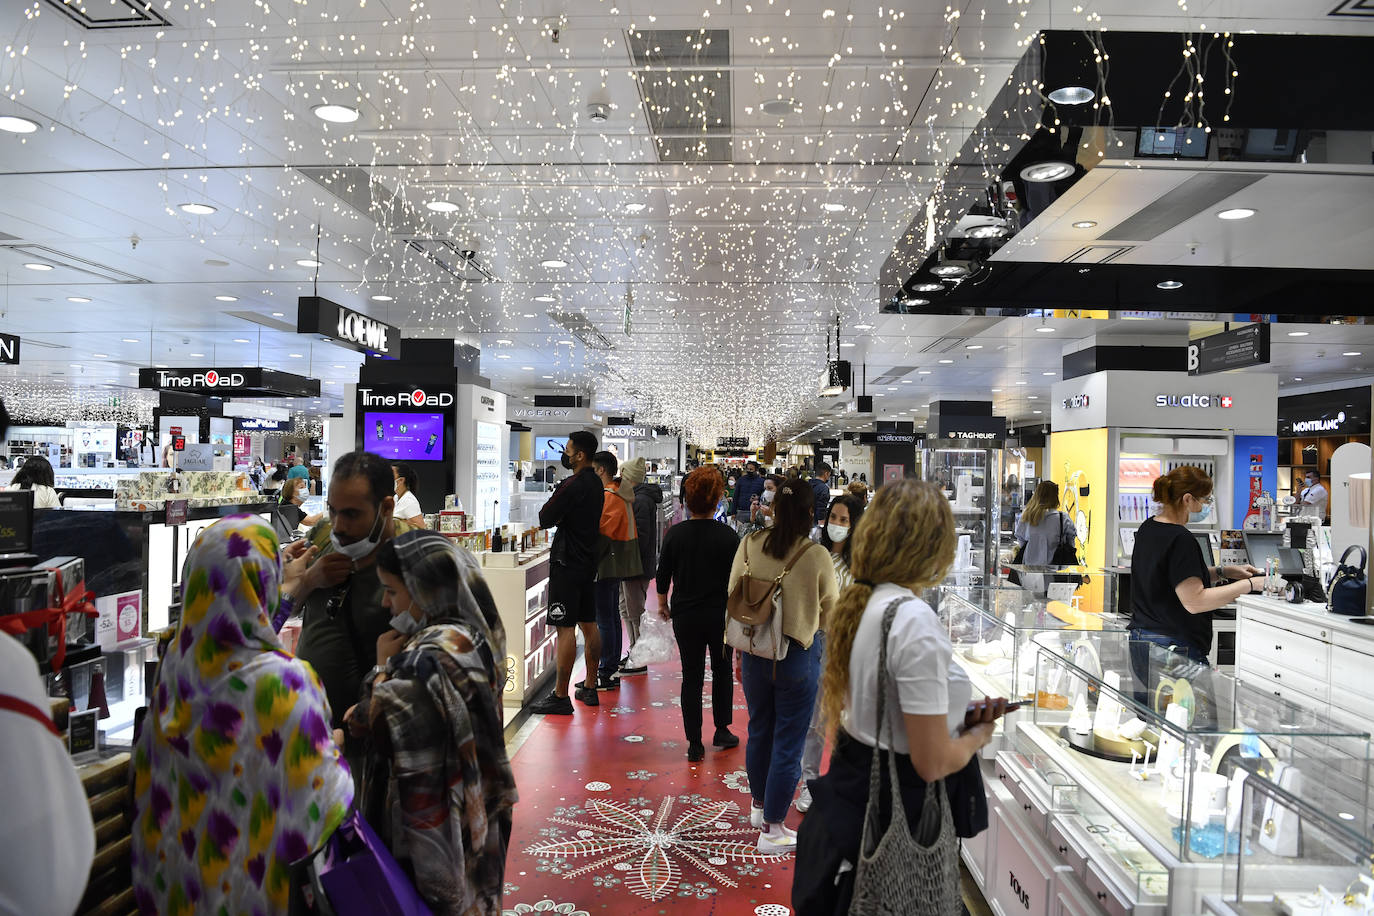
(17, 125)
(529, 314)
(1071, 95)
(635, 208)
(1085, 224)
(1345, 815)
(991, 231)
(949, 270)
(546, 376)
(441, 206)
(381, 297)
(924, 372)
(37, 266)
(101, 355)
(946, 362)
(503, 341)
(129, 339)
(278, 314)
(226, 298)
(1047, 373)
(973, 346)
(503, 356)
(1352, 353)
(906, 381)
(215, 262)
(832, 207)
(863, 327)
(197, 209)
(336, 114)
(296, 355)
(308, 262)
(1047, 171)
(780, 107)
(1032, 397)
(1297, 333)
(847, 345)
(242, 340)
(1043, 329)
(915, 301)
(1168, 284)
(994, 390)
(1235, 213)
(338, 366)
(545, 299)
(82, 299)
(553, 263)
(1037, 411)
(1021, 383)
(197, 354)
(928, 288)
(526, 368)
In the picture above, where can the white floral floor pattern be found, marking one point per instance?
(650, 849)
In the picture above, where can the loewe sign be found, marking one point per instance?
(317, 315)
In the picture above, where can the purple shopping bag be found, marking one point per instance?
(359, 877)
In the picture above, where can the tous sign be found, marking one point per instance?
(416, 398)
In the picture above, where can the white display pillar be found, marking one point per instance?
(482, 480)
(341, 433)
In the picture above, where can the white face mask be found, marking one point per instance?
(837, 532)
(768, 496)
(406, 624)
(359, 549)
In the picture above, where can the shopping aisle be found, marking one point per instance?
(613, 819)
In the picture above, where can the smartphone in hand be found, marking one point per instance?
(988, 709)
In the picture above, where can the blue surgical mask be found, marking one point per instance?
(406, 624)
(1196, 518)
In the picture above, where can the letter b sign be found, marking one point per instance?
(1193, 361)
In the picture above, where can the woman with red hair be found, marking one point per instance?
(695, 560)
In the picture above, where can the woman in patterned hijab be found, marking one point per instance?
(236, 774)
(438, 785)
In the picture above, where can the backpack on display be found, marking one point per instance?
(1347, 592)
(754, 610)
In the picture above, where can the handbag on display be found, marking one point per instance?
(1347, 592)
(1017, 559)
(754, 611)
(899, 874)
(353, 874)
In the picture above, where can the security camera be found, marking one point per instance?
(598, 111)
(468, 254)
(133, 241)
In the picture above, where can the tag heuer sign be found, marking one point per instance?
(340, 324)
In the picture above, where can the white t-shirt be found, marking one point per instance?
(44, 497)
(47, 840)
(407, 506)
(921, 660)
(1316, 497)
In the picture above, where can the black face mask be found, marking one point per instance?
(566, 461)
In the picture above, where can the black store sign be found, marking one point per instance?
(732, 442)
(1344, 412)
(342, 325)
(9, 349)
(229, 382)
(1234, 349)
(990, 431)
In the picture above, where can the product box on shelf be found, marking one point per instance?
(23, 590)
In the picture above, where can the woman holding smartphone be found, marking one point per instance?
(905, 544)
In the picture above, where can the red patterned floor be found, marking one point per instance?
(613, 819)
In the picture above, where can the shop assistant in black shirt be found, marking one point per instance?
(575, 510)
(1165, 556)
(695, 559)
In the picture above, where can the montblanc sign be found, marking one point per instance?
(340, 324)
(1319, 426)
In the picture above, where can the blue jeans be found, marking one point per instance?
(780, 706)
(608, 622)
(815, 733)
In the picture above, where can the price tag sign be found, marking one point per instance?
(1061, 591)
(83, 733)
(176, 512)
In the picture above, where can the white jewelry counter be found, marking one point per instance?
(522, 598)
(1304, 653)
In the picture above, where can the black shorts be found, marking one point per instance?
(572, 597)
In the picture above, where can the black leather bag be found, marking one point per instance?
(1065, 552)
(1347, 593)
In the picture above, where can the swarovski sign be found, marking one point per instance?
(1204, 401)
(340, 324)
(417, 397)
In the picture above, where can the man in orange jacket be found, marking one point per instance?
(618, 558)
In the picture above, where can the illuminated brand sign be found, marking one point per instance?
(1319, 426)
(360, 329)
(416, 397)
(628, 432)
(9, 349)
(249, 423)
(1204, 401)
(488, 401)
(546, 413)
(340, 324)
(210, 378)
(1078, 400)
(970, 434)
(895, 438)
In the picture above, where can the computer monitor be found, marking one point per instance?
(1205, 542)
(16, 522)
(1261, 546)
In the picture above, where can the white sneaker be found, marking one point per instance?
(803, 801)
(755, 817)
(778, 842)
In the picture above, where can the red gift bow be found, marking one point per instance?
(54, 618)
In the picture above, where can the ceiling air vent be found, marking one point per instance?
(583, 330)
(684, 83)
(111, 14)
(892, 375)
(72, 262)
(459, 263)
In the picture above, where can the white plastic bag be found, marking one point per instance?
(656, 641)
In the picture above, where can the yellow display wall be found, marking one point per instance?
(1079, 463)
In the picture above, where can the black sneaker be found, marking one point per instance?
(586, 696)
(552, 705)
(608, 682)
(725, 738)
(626, 671)
(695, 752)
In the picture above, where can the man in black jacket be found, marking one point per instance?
(820, 484)
(749, 488)
(634, 591)
(575, 510)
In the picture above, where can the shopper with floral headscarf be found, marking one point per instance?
(438, 786)
(236, 774)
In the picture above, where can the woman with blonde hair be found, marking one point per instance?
(1042, 528)
(905, 544)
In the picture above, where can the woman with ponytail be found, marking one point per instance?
(1171, 601)
(905, 544)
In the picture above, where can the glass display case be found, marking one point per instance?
(1300, 848)
(1159, 741)
(971, 480)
